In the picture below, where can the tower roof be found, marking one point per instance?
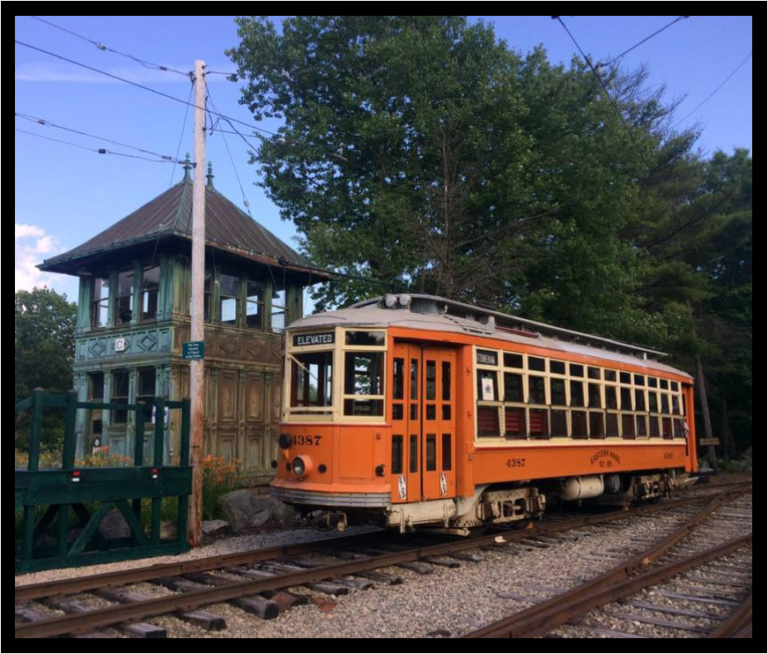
(169, 217)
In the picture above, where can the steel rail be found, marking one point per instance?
(76, 585)
(605, 588)
(557, 616)
(614, 576)
(80, 624)
(738, 624)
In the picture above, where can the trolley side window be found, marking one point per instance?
(364, 384)
(488, 397)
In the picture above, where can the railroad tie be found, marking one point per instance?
(203, 619)
(418, 568)
(251, 573)
(353, 584)
(134, 630)
(285, 600)
(382, 578)
(329, 588)
(258, 606)
(467, 557)
(25, 614)
(344, 555)
(442, 563)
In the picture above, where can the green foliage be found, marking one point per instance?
(422, 153)
(700, 254)
(52, 434)
(220, 477)
(45, 342)
(45, 351)
(51, 456)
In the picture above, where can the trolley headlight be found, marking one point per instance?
(299, 467)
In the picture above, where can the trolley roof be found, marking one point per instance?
(434, 313)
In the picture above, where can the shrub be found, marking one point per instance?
(220, 477)
(104, 459)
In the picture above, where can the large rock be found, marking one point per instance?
(169, 531)
(114, 526)
(215, 528)
(246, 511)
(282, 514)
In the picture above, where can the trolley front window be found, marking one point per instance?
(312, 380)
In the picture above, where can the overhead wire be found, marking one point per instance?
(104, 48)
(637, 45)
(96, 150)
(229, 119)
(246, 202)
(607, 92)
(720, 86)
(47, 123)
(181, 136)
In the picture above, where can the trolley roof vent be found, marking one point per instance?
(469, 318)
(472, 326)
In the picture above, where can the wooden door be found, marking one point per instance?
(438, 423)
(423, 415)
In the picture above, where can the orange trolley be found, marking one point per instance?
(415, 410)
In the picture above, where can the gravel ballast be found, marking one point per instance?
(453, 602)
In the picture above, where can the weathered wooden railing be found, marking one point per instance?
(55, 501)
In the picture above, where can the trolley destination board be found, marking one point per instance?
(307, 340)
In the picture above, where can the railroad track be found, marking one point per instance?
(261, 582)
(689, 566)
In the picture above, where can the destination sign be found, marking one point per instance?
(306, 340)
(486, 358)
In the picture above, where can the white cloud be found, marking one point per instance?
(27, 231)
(33, 245)
(44, 245)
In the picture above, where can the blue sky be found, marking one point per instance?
(65, 195)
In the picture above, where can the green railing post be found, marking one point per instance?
(160, 405)
(28, 533)
(138, 457)
(33, 465)
(63, 535)
(157, 502)
(184, 457)
(36, 431)
(67, 464)
(186, 431)
(70, 435)
(138, 449)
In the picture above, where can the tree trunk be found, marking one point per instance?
(711, 455)
(729, 443)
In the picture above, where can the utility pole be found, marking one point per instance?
(701, 381)
(197, 367)
(703, 398)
